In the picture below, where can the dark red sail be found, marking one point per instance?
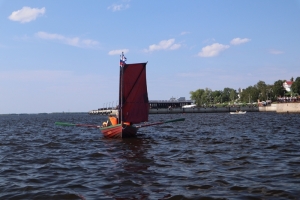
(133, 88)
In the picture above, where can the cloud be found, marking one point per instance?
(238, 41)
(163, 45)
(118, 52)
(276, 52)
(212, 50)
(26, 14)
(118, 7)
(184, 33)
(75, 41)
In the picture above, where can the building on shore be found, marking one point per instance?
(153, 104)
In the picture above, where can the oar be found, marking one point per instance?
(69, 124)
(97, 126)
(157, 123)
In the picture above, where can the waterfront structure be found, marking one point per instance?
(153, 104)
(172, 103)
(287, 85)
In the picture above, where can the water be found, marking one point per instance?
(208, 156)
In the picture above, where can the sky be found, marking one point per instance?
(64, 57)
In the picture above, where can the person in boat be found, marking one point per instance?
(104, 124)
(111, 121)
(114, 120)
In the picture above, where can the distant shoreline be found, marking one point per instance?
(45, 113)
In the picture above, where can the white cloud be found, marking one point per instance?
(75, 41)
(164, 45)
(26, 14)
(118, 7)
(118, 52)
(175, 46)
(238, 41)
(276, 52)
(184, 33)
(212, 50)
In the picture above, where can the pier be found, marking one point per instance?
(183, 110)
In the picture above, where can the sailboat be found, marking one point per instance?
(133, 104)
(133, 101)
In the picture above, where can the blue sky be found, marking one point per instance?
(64, 56)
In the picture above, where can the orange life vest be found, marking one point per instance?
(113, 120)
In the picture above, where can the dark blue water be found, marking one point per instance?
(209, 156)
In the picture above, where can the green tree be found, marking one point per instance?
(217, 96)
(226, 96)
(296, 86)
(278, 90)
(233, 95)
(269, 92)
(197, 96)
(262, 88)
(250, 94)
(207, 97)
(204, 97)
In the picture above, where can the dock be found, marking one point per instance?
(183, 110)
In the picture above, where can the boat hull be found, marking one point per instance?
(238, 113)
(118, 131)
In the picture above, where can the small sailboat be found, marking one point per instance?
(133, 104)
(238, 112)
(133, 101)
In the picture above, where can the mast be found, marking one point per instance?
(121, 95)
(122, 64)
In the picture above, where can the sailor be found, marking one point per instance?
(113, 120)
(107, 123)
(104, 124)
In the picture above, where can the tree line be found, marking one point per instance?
(260, 91)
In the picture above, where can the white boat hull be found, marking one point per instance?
(239, 112)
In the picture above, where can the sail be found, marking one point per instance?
(133, 88)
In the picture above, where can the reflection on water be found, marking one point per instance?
(208, 156)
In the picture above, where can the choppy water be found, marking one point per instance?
(209, 156)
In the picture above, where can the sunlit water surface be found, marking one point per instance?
(208, 156)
